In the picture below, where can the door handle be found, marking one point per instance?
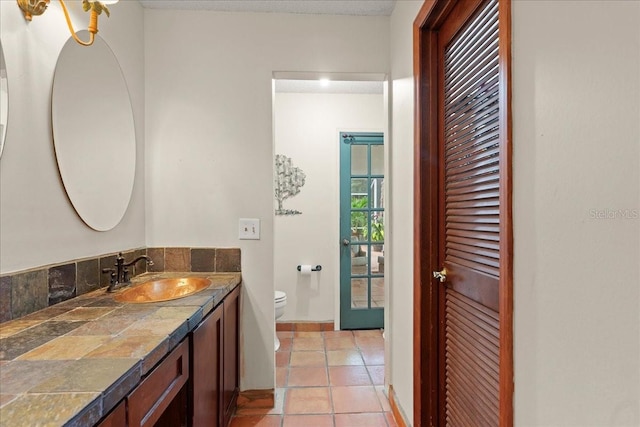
(345, 242)
(441, 275)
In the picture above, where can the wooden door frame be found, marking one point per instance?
(427, 200)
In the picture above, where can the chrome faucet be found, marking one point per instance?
(120, 274)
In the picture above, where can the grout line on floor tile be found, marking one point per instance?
(324, 335)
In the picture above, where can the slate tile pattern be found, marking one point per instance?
(70, 364)
(177, 259)
(228, 259)
(28, 292)
(5, 298)
(69, 352)
(203, 259)
(62, 283)
(87, 276)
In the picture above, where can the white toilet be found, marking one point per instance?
(281, 302)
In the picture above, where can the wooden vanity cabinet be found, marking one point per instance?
(231, 375)
(214, 364)
(206, 370)
(197, 384)
(157, 399)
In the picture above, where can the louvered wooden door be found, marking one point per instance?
(470, 130)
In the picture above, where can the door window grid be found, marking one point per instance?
(367, 280)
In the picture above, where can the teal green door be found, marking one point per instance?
(361, 230)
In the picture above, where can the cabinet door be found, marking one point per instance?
(231, 379)
(207, 371)
(117, 417)
(147, 402)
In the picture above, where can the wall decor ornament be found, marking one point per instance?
(289, 180)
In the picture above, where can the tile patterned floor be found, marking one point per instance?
(326, 379)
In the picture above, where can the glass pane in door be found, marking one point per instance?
(359, 160)
(377, 226)
(360, 259)
(360, 293)
(376, 187)
(377, 160)
(377, 275)
(377, 292)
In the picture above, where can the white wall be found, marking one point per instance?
(209, 134)
(38, 224)
(400, 244)
(307, 127)
(576, 100)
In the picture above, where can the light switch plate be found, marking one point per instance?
(249, 229)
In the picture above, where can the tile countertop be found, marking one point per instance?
(70, 364)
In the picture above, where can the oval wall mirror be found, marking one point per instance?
(4, 99)
(93, 132)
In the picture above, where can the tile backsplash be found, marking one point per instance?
(24, 292)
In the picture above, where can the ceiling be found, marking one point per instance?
(314, 7)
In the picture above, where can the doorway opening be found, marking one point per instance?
(310, 110)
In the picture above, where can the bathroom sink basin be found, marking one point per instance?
(163, 290)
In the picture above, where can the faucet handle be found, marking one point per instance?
(112, 276)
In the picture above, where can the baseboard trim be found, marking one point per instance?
(396, 409)
(304, 326)
(256, 399)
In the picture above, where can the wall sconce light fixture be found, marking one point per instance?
(37, 7)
